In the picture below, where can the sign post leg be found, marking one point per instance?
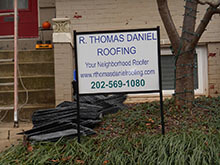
(161, 113)
(78, 118)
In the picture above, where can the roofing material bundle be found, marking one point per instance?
(52, 124)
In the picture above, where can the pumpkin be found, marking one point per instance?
(46, 25)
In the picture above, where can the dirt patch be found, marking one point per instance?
(8, 134)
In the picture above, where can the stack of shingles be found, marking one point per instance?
(52, 124)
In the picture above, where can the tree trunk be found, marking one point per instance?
(184, 91)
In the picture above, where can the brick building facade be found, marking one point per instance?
(87, 15)
(94, 15)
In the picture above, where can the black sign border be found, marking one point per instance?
(149, 91)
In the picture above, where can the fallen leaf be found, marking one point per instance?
(105, 162)
(80, 161)
(151, 120)
(66, 158)
(29, 148)
(54, 160)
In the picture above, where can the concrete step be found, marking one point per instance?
(30, 82)
(29, 56)
(35, 96)
(28, 69)
(36, 68)
(24, 113)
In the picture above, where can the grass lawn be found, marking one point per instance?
(133, 136)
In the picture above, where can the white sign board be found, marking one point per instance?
(123, 61)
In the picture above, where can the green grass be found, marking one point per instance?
(133, 136)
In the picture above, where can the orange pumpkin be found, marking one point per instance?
(46, 25)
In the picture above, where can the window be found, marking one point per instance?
(9, 4)
(200, 72)
(167, 69)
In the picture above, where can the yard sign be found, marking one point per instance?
(125, 61)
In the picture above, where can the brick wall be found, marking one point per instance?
(47, 3)
(214, 68)
(47, 10)
(63, 62)
(87, 15)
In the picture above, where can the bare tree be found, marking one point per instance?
(184, 46)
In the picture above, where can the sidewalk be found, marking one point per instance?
(8, 133)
